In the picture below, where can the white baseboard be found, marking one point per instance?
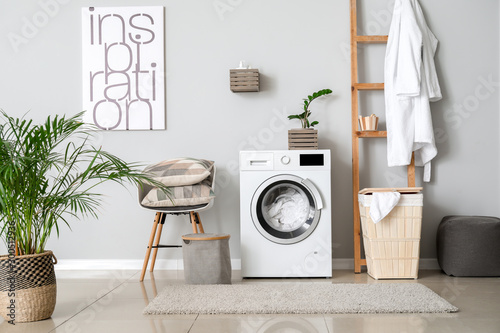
(124, 264)
(177, 264)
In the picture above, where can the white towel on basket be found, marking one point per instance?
(382, 204)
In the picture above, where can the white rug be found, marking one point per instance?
(298, 298)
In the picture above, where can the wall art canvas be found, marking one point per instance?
(123, 67)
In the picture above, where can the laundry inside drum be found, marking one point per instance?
(286, 207)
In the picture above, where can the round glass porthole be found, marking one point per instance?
(284, 209)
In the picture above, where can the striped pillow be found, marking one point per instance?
(180, 171)
(189, 195)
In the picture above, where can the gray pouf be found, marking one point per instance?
(207, 259)
(469, 245)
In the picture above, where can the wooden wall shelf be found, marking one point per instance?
(244, 80)
(371, 134)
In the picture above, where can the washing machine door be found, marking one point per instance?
(286, 208)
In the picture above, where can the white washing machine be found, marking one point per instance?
(285, 213)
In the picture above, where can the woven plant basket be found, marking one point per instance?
(302, 139)
(28, 282)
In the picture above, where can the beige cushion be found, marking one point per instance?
(189, 195)
(180, 171)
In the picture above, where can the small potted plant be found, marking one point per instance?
(305, 137)
(48, 172)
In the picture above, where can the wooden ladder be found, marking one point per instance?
(356, 135)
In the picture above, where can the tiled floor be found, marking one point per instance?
(112, 301)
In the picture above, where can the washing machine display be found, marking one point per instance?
(285, 213)
(286, 209)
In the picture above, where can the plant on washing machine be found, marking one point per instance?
(304, 116)
(307, 136)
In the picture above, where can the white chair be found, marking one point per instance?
(159, 220)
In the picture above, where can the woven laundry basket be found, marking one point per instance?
(392, 246)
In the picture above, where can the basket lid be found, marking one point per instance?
(405, 190)
(204, 237)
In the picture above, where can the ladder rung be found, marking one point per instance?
(371, 134)
(371, 39)
(369, 86)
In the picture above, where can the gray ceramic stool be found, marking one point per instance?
(469, 245)
(207, 259)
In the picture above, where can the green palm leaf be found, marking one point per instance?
(49, 172)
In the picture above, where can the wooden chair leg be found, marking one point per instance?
(150, 244)
(157, 241)
(198, 221)
(193, 222)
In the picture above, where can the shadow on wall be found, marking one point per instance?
(341, 203)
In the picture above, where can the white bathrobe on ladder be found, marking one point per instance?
(410, 83)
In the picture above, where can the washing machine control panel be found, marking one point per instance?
(285, 160)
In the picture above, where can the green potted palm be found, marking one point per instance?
(48, 174)
(305, 137)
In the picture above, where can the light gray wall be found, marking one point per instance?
(299, 47)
